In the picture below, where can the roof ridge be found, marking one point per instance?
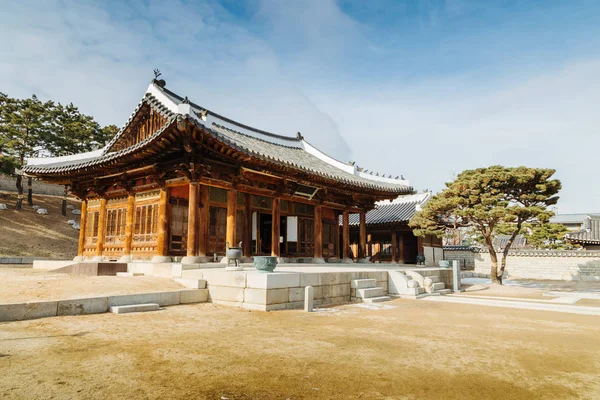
(229, 120)
(254, 137)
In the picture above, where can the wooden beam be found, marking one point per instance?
(362, 245)
(401, 249)
(82, 227)
(247, 239)
(163, 223)
(192, 228)
(129, 220)
(231, 217)
(394, 246)
(345, 234)
(275, 227)
(203, 221)
(101, 227)
(318, 250)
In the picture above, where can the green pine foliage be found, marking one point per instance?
(491, 200)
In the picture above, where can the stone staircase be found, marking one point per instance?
(367, 291)
(436, 287)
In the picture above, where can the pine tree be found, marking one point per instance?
(488, 198)
(24, 123)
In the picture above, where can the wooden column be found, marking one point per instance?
(345, 234)
(362, 241)
(370, 245)
(247, 239)
(82, 228)
(394, 246)
(129, 219)
(101, 227)
(192, 228)
(275, 228)
(162, 247)
(401, 249)
(318, 250)
(231, 214)
(203, 221)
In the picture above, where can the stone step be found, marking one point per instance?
(443, 291)
(130, 274)
(434, 279)
(438, 286)
(377, 299)
(363, 283)
(420, 290)
(369, 292)
(134, 308)
(191, 283)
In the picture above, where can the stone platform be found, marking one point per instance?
(284, 288)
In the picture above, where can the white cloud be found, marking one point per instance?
(297, 73)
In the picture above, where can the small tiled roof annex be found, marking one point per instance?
(294, 152)
(590, 234)
(401, 209)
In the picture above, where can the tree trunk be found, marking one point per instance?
(494, 275)
(19, 205)
(29, 191)
(64, 202)
(494, 258)
(508, 246)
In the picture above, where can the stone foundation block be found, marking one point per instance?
(23, 311)
(273, 280)
(134, 308)
(160, 298)
(219, 277)
(226, 293)
(296, 294)
(93, 305)
(193, 296)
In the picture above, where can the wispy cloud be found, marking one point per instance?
(424, 89)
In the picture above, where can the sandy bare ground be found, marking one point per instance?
(411, 350)
(27, 234)
(19, 284)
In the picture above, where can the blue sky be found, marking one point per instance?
(424, 89)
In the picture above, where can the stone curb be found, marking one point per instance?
(97, 305)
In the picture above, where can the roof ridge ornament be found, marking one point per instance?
(159, 82)
(299, 136)
(201, 114)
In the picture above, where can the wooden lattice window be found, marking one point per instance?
(217, 195)
(146, 223)
(91, 228)
(304, 209)
(115, 224)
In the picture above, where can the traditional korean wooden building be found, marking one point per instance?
(179, 180)
(389, 238)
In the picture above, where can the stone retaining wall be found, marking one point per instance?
(8, 183)
(545, 264)
(465, 257)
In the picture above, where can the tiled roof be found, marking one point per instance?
(291, 155)
(399, 210)
(590, 234)
(293, 152)
(570, 218)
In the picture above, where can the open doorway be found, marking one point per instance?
(265, 228)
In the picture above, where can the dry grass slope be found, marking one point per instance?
(27, 234)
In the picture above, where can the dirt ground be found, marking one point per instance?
(21, 283)
(404, 350)
(27, 234)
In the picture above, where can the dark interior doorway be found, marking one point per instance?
(265, 222)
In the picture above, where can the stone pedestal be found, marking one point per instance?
(194, 260)
(125, 259)
(161, 259)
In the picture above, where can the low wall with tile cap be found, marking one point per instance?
(8, 183)
(546, 264)
(465, 257)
